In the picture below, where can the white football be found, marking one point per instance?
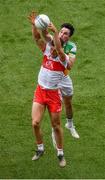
(42, 21)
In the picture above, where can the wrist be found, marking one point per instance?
(55, 31)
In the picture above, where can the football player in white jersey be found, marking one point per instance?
(47, 93)
(66, 85)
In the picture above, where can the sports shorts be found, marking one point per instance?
(66, 86)
(51, 98)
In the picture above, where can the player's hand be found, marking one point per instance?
(32, 17)
(52, 27)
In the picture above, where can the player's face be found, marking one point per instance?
(64, 34)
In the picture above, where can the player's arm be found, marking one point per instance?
(59, 49)
(36, 35)
(57, 42)
(58, 45)
(46, 35)
(61, 53)
(72, 58)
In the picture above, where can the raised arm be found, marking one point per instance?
(57, 42)
(36, 34)
(46, 35)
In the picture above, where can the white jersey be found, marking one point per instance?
(51, 72)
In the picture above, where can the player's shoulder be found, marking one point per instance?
(70, 47)
(71, 44)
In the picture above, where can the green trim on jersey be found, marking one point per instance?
(69, 47)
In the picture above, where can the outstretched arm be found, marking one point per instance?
(59, 48)
(46, 35)
(36, 35)
(57, 42)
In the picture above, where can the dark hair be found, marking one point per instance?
(68, 26)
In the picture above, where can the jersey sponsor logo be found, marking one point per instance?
(49, 64)
(52, 65)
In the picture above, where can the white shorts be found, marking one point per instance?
(66, 86)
